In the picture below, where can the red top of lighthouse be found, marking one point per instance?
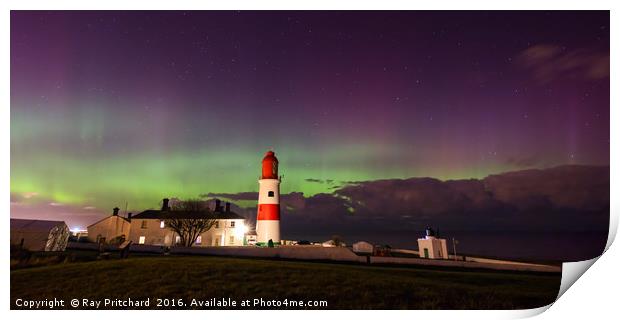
(270, 166)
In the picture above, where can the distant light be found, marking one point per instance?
(241, 230)
(76, 230)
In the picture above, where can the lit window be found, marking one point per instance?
(270, 194)
(199, 240)
(143, 224)
(162, 224)
(177, 240)
(232, 239)
(142, 240)
(232, 224)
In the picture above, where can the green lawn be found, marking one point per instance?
(343, 286)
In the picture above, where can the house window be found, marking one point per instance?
(199, 240)
(162, 224)
(270, 194)
(232, 239)
(142, 240)
(232, 224)
(217, 224)
(143, 224)
(177, 240)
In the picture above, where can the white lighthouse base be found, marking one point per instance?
(267, 230)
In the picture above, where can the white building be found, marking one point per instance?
(111, 229)
(332, 243)
(149, 227)
(431, 247)
(363, 247)
(39, 235)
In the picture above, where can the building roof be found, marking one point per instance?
(35, 225)
(103, 219)
(159, 214)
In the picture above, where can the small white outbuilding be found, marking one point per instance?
(332, 243)
(431, 247)
(39, 235)
(363, 247)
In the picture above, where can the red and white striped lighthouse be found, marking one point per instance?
(268, 219)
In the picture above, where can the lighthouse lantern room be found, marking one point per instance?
(268, 218)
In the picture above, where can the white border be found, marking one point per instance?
(310, 5)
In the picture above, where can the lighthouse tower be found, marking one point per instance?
(268, 219)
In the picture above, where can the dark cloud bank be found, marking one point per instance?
(560, 213)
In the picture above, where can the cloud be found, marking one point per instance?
(232, 196)
(45, 209)
(523, 161)
(549, 62)
(289, 201)
(557, 199)
(561, 199)
(577, 188)
(327, 181)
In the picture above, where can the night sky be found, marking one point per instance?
(116, 108)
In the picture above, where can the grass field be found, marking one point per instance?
(343, 286)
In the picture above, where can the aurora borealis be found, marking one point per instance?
(114, 108)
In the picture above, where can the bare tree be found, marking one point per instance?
(189, 219)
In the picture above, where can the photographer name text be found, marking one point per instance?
(164, 303)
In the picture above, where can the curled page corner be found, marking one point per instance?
(529, 313)
(571, 271)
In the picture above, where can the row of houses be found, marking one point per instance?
(149, 227)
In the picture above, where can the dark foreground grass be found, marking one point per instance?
(342, 286)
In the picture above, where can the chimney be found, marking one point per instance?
(430, 232)
(218, 208)
(129, 217)
(164, 206)
(115, 211)
(227, 206)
